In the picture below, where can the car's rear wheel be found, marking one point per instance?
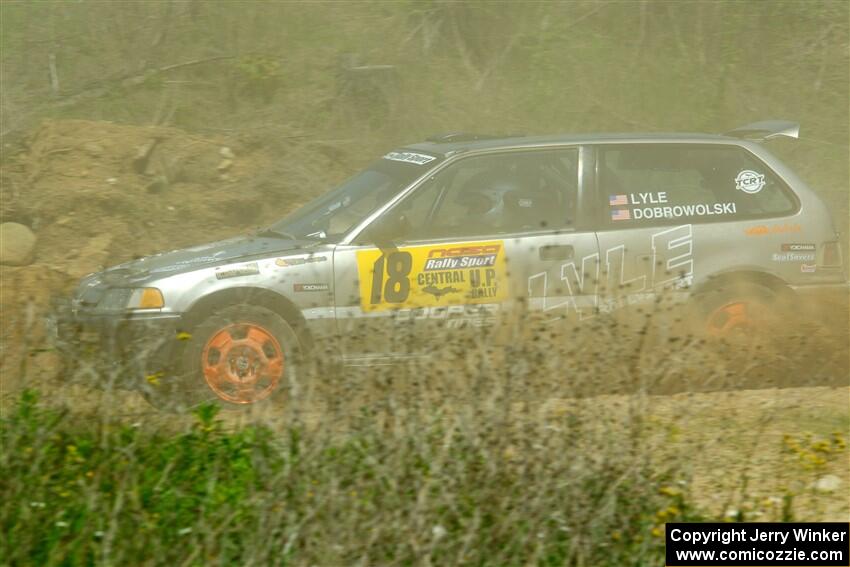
(747, 327)
(240, 357)
(741, 313)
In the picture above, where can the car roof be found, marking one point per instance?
(457, 143)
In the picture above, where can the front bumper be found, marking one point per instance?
(123, 348)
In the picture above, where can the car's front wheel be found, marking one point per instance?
(241, 356)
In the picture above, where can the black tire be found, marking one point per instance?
(254, 337)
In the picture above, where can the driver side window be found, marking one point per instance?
(495, 194)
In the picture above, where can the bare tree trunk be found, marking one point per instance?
(51, 57)
(642, 31)
(54, 75)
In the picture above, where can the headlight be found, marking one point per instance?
(119, 299)
(146, 298)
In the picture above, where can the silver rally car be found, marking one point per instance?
(450, 233)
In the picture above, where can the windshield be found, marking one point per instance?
(330, 216)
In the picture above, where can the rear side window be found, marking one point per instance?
(645, 185)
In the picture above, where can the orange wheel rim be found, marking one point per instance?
(736, 318)
(242, 363)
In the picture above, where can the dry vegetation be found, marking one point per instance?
(572, 446)
(502, 452)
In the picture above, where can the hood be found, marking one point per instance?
(206, 255)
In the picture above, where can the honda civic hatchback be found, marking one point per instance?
(452, 233)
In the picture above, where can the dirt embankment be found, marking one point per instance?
(98, 193)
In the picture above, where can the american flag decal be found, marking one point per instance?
(617, 200)
(621, 214)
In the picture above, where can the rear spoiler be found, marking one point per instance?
(766, 130)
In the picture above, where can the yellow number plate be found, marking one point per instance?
(436, 275)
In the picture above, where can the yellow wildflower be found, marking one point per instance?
(153, 379)
(657, 531)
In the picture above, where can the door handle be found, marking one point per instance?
(556, 252)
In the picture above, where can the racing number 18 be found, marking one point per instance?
(397, 287)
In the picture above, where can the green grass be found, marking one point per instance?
(81, 493)
(495, 455)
